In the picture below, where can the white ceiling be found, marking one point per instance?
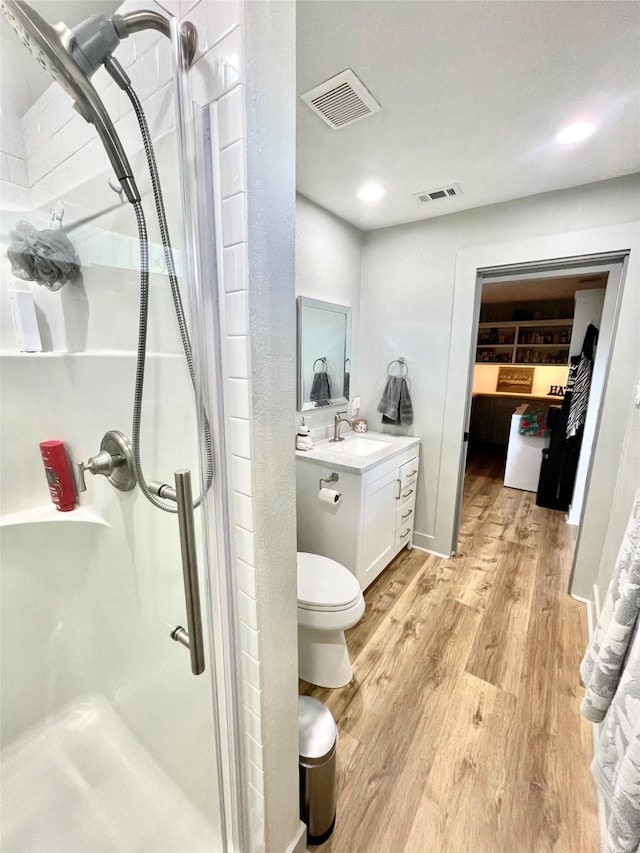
(23, 80)
(471, 93)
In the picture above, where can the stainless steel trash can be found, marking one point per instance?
(317, 738)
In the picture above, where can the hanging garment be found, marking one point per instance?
(611, 674)
(579, 384)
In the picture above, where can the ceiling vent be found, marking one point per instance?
(341, 101)
(435, 195)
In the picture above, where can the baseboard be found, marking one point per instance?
(429, 551)
(298, 843)
(424, 542)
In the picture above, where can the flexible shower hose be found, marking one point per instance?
(144, 312)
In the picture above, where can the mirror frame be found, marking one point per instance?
(303, 302)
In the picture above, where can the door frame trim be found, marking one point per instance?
(615, 264)
(605, 243)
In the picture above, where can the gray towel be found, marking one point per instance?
(320, 387)
(47, 257)
(395, 403)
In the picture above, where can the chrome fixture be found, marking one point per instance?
(336, 426)
(114, 461)
(332, 478)
(192, 639)
(72, 56)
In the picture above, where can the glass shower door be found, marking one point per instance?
(109, 742)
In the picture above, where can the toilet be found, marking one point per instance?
(329, 602)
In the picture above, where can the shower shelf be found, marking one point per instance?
(48, 514)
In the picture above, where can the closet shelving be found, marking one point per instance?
(524, 342)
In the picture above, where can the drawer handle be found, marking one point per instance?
(407, 514)
(407, 531)
(406, 494)
(413, 473)
(399, 482)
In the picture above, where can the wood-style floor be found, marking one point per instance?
(461, 730)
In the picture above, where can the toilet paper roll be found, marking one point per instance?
(329, 496)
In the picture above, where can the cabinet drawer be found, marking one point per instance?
(405, 515)
(408, 493)
(408, 475)
(403, 536)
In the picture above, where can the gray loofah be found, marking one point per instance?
(47, 257)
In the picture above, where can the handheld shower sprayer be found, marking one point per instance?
(72, 56)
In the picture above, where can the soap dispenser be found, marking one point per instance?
(303, 439)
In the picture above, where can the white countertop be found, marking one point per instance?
(341, 455)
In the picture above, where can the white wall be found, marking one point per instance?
(328, 267)
(270, 151)
(13, 168)
(406, 309)
(627, 483)
(588, 309)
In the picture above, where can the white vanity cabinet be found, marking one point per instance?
(374, 519)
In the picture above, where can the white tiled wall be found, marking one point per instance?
(13, 168)
(61, 151)
(218, 76)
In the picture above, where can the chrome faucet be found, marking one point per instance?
(336, 426)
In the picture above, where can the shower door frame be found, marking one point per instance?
(196, 127)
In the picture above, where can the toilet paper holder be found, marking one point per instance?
(332, 478)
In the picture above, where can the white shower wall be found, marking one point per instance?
(83, 385)
(13, 167)
(88, 608)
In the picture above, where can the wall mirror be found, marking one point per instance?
(324, 353)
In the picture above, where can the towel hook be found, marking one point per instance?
(56, 215)
(404, 368)
(323, 359)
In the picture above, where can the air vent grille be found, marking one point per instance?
(440, 193)
(341, 100)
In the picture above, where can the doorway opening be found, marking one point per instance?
(528, 424)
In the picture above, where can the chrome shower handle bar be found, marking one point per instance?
(192, 638)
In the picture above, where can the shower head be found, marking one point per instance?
(53, 48)
(72, 56)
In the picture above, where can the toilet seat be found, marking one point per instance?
(325, 586)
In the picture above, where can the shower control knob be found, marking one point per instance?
(114, 461)
(101, 463)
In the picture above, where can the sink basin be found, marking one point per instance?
(359, 446)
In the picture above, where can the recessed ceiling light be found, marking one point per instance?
(575, 132)
(370, 192)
